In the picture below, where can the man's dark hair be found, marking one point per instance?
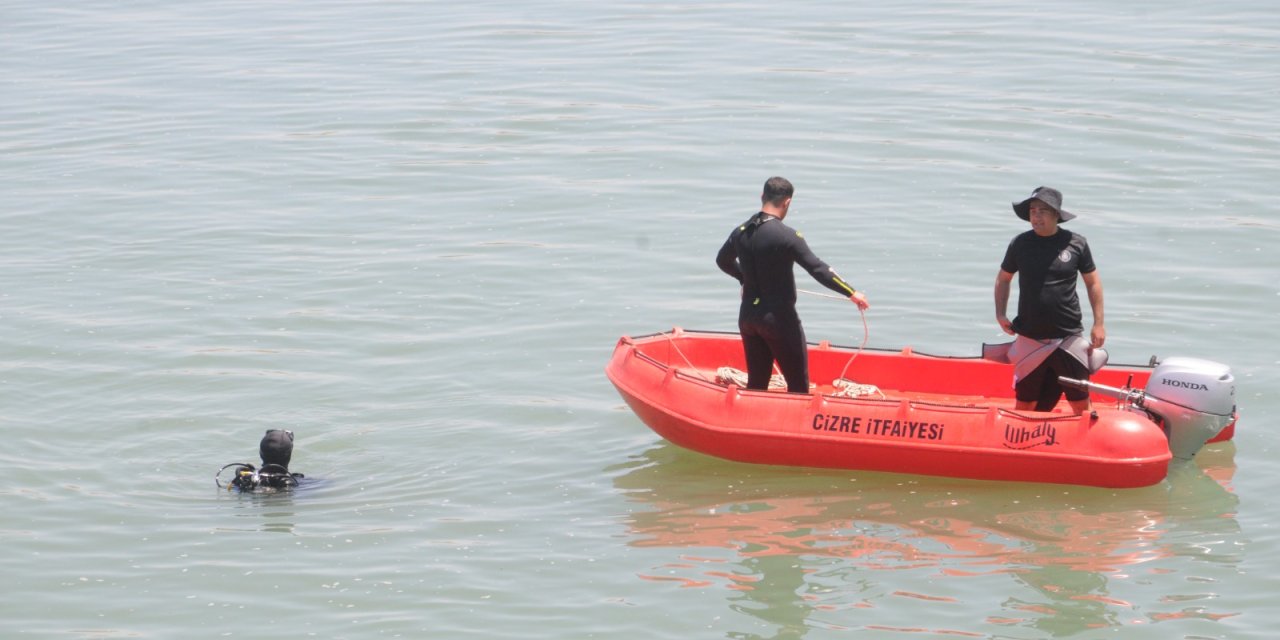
(777, 189)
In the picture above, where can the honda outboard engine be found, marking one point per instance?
(1193, 399)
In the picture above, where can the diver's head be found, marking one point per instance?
(276, 447)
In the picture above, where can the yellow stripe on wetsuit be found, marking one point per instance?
(840, 281)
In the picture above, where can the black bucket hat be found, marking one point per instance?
(1047, 195)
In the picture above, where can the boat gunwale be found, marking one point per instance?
(678, 333)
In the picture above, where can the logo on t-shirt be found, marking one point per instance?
(1065, 256)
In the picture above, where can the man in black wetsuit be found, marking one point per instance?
(759, 254)
(1049, 323)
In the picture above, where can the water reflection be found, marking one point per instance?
(799, 549)
(271, 511)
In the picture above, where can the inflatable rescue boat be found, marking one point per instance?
(906, 412)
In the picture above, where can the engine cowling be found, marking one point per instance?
(1195, 398)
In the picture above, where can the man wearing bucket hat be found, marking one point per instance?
(1049, 325)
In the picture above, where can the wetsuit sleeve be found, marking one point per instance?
(819, 269)
(727, 259)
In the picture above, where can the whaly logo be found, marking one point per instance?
(1196, 386)
(1024, 438)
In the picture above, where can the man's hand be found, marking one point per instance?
(859, 299)
(1005, 324)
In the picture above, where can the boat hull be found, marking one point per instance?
(940, 416)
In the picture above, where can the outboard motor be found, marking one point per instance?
(1192, 399)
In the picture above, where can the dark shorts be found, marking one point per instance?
(1042, 386)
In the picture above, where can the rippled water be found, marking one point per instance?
(412, 232)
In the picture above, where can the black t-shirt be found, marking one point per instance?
(760, 254)
(1048, 306)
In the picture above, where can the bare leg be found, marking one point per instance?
(1080, 406)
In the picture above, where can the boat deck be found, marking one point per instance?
(932, 398)
(896, 395)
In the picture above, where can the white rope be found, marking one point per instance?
(823, 295)
(850, 389)
(844, 386)
(671, 338)
(866, 333)
(729, 375)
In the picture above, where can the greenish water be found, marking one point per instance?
(412, 232)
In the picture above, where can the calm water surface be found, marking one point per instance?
(413, 231)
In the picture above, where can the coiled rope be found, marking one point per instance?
(844, 387)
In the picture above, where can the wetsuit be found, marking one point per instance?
(760, 253)
(1049, 307)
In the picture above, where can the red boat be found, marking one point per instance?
(914, 413)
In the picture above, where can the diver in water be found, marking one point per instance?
(276, 449)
